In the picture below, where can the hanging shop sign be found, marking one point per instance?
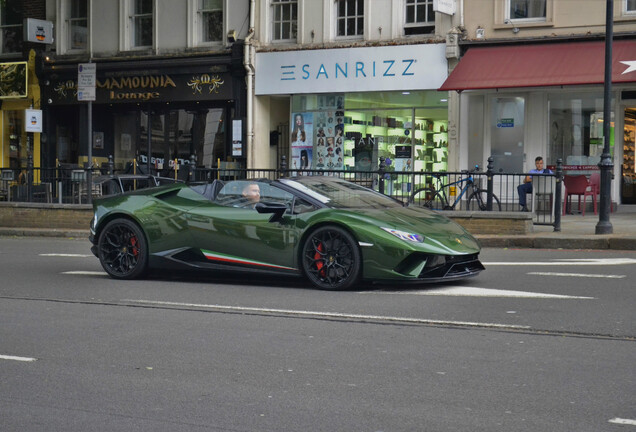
(13, 80)
(391, 68)
(149, 88)
(38, 31)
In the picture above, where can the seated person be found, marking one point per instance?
(526, 187)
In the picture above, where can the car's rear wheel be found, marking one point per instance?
(122, 249)
(331, 258)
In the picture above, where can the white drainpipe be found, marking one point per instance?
(248, 61)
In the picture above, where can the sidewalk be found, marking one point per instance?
(577, 232)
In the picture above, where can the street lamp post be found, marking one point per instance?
(606, 166)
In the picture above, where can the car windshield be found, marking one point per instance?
(337, 193)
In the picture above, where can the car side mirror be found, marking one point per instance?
(277, 210)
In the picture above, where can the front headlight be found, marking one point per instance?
(403, 235)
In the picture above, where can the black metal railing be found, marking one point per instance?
(465, 190)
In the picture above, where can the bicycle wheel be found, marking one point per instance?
(478, 199)
(429, 198)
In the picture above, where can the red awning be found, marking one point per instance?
(539, 65)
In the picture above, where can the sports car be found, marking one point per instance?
(334, 232)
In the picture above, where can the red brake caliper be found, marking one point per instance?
(319, 264)
(133, 243)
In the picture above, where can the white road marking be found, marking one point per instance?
(15, 358)
(315, 314)
(85, 273)
(66, 255)
(577, 275)
(567, 262)
(479, 292)
(623, 421)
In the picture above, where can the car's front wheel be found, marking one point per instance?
(122, 249)
(331, 258)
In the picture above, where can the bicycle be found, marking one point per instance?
(438, 199)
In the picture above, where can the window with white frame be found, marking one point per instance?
(419, 17)
(211, 20)
(141, 23)
(526, 10)
(630, 7)
(284, 20)
(350, 17)
(77, 25)
(10, 26)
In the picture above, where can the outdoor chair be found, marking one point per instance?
(574, 185)
(594, 190)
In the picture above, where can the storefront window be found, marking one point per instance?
(175, 135)
(19, 149)
(352, 131)
(576, 128)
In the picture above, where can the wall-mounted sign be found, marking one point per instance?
(13, 80)
(506, 123)
(33, 120)
(143, 88)
(390, 68)
(444, 6)
(38, 31)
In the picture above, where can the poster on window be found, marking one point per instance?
(329, 126)
(302, 140)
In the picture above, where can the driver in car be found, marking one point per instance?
(252, 193)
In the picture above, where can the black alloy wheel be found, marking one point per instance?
(331, 258)
(123, 250)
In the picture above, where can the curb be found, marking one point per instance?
(560, 242)
(44, 232)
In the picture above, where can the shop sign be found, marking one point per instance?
(147, 88)
(38, 31)
(33, 120)
(13, 80)
(413, 67)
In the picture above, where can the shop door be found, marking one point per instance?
(506, 134)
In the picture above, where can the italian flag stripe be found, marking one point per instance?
(213, 256)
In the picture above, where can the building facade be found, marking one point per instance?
(530, 78)
(170, 83)
(19, 85)
(340, 84)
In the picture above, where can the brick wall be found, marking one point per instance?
(505, 223)
(58, 216)
(34, 9)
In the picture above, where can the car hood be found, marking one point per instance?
(435, 228)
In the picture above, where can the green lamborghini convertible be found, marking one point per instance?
(332, 231)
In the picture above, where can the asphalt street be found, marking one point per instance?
(542, 340)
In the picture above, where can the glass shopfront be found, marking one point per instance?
(576, 129)
(352, 131)
(175, 135)
(14, 134)
(160, 118)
